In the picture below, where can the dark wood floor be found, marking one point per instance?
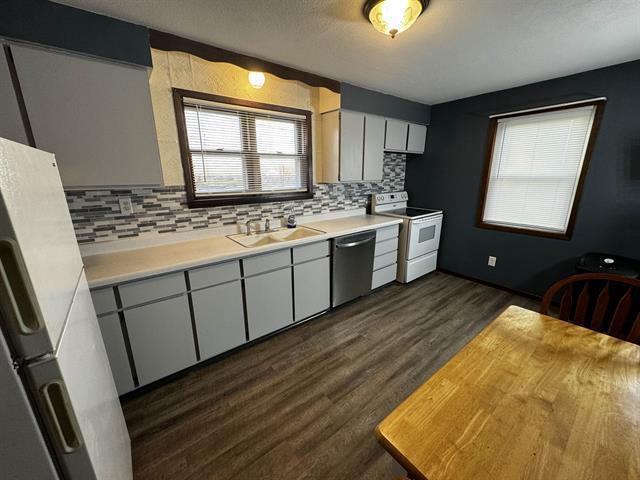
(304, 404)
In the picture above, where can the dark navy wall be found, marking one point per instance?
(368, 101)
(60, 26)
(448, 176)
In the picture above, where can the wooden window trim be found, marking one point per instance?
(493, 126)
(234, 199)
(174, 43)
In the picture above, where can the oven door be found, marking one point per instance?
(424, 236)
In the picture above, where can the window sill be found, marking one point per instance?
(536, 233)
(203, 202)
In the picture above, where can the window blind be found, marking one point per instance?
(535, 168)
(245, 151)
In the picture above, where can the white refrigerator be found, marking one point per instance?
(60, 417)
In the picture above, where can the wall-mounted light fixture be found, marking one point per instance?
(256, 79)
(393, 16)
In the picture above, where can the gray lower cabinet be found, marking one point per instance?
(269, 302)
(116, 352)
(219, 317)
(161, 338)
(311, 282)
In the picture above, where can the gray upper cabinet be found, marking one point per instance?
(11, 125)
(94, 115)
(404, 136)
(417, 138)
(396, 138)
(269, 302)
(161, 338)
(374, 128)
(351, 141)
(219, 317)
(352, 146)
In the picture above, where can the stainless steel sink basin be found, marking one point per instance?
(277, 236)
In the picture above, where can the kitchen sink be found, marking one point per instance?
(276, 236)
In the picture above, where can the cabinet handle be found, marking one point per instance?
(17, 297)
(61, 416)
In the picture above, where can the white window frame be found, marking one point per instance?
(598, 107)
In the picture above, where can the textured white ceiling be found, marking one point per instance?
(457, 48)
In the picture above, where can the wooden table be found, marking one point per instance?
(529, 397)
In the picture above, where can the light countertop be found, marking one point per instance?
(120, 266)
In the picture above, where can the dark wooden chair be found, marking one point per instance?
(600, 301)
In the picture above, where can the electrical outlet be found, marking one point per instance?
(492, 261)
(126, 207)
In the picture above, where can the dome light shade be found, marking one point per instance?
(256, 79)
(393, 16)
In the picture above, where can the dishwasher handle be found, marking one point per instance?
(354, 240)
(355, 244)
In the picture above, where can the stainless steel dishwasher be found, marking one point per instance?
(352, 266)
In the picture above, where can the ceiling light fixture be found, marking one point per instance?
(393, 16)
(256, 79)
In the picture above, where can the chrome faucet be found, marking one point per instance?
(248, 227)
(267, 225)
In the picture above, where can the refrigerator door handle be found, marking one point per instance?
(61, 416)
(17, 298)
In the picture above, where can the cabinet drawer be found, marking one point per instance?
(385, 260)
(161, 338)
(386, 233)
(383, 276)
(310, 252)
(386, 246)
(152, 289)
(266, 262)
(311, 287)
(104, 300)
(116, 352)
(214, 274)
(219, 317)
(269, 302)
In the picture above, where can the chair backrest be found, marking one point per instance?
(600, 301)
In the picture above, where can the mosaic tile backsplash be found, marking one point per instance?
(96, 213)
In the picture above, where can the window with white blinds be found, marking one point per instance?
(243, 152)
(535, 168)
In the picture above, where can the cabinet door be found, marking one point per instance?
(311, 288)
(330, 165)
(11, 125)
(161, 338)
(417, 138)
(116, 352)
(269, 302)
(373, 147)
(95, 115)
(219, 318)
(351, 145)
(396, 137)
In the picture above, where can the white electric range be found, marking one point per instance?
(419, 234)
